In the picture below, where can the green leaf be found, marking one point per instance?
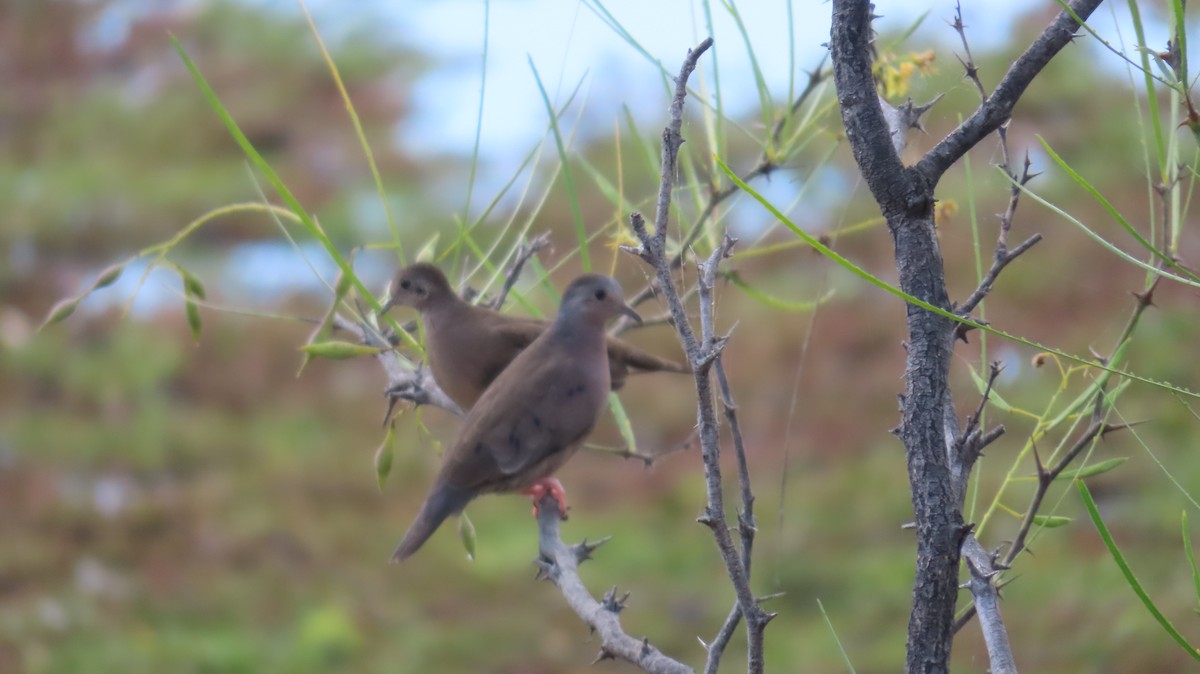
(61, 310)
(622, 419)
(994, 398)
(338, 350)
(1051, 521)
(109, 276)
(1130, 578)
(383, 457)
(1094, 469)
(466, 534)
(193, 319)
(191, 285)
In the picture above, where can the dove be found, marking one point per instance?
(534, 416)
(468, 346)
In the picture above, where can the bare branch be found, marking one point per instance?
(747, 525)
(559, 563)
(906, 198)
(526, 250)
(1001, 256)
(971, 71)
(404, 381)
(982, 584)
(764, 166)
(998, 107)
(701, 353)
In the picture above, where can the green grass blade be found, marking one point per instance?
(887, 287)
(487, 12)
(572, 193)
(766, 107)
(284, 193)
(1160, 151)
(717, 124)
(358, 130)
(1191, 555)
(1130, 578)
(1112, 210)
(775, 302)
(837, 640)
(1180, 30)
(1101, 240)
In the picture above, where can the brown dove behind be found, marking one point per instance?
(468, 346)
(534, 416)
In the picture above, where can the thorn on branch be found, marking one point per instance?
(583, 550)
(611, 603)
(712, 354)
(991, 436)
(546, 569)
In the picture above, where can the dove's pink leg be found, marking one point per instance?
(547, 485)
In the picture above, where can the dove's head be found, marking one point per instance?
(593, 299)
(419, 286)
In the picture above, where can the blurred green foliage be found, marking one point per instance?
(165, 507)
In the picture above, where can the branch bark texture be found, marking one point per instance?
(702, 351)
(906, 196)
(559, 563)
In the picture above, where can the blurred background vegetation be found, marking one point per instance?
(195, 507)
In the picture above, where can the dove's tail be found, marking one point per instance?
(444, 501)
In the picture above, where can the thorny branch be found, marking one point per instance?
(701, 352)
(404, 382)
(905, 195)
(1001, 256)
(764, 166)
(526, 250)
(747, 525)
(559, 563)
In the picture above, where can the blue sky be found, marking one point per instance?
(568, 42)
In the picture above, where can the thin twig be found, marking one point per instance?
(763, 166)
(971, 71)
(996, 110)
(525, 250)
(1001, 256)
(701, 353)
(404, 381)
(747, 525)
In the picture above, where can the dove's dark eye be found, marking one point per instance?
(600, 294)
(405, 284)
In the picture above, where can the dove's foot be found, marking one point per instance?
(551, 486)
